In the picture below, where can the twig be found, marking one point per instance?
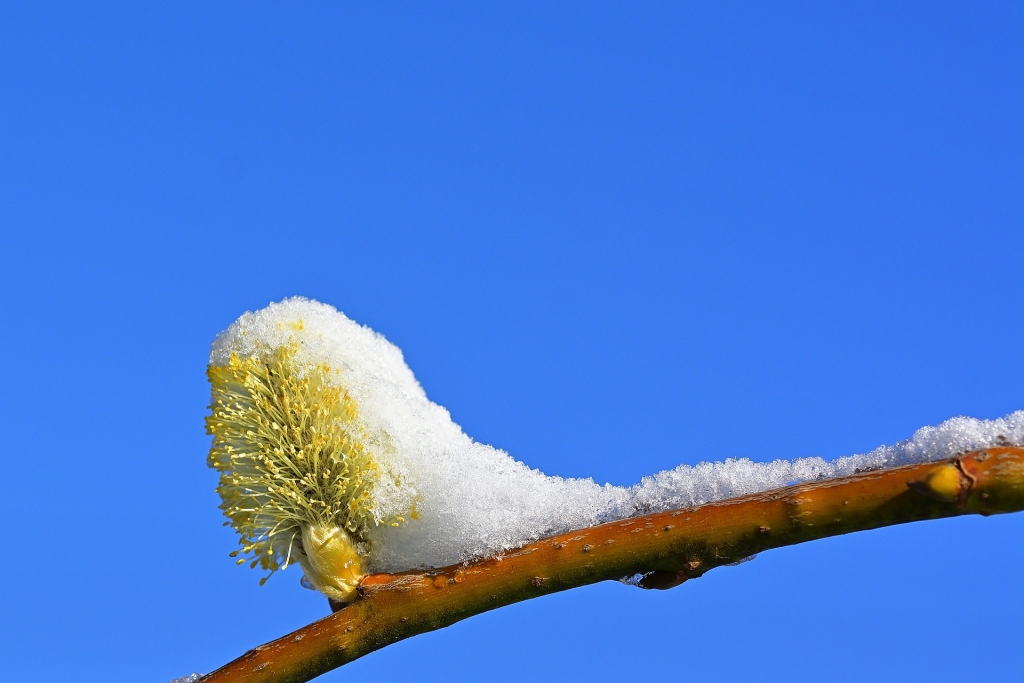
(665, 549)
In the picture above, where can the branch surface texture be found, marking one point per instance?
(663, 550)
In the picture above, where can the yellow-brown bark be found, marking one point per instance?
(665, 548)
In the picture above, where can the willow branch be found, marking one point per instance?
(666, 548)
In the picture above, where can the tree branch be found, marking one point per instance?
(665, 548)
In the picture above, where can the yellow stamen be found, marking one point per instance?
(295, 474)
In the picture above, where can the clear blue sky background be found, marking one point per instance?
(610, 238)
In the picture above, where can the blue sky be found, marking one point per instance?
(610, 238)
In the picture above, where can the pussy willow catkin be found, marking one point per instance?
(296, 478)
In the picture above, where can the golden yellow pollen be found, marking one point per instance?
(296, 480)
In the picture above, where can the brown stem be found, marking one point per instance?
(665, 548)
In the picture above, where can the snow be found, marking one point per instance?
(473, 500)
